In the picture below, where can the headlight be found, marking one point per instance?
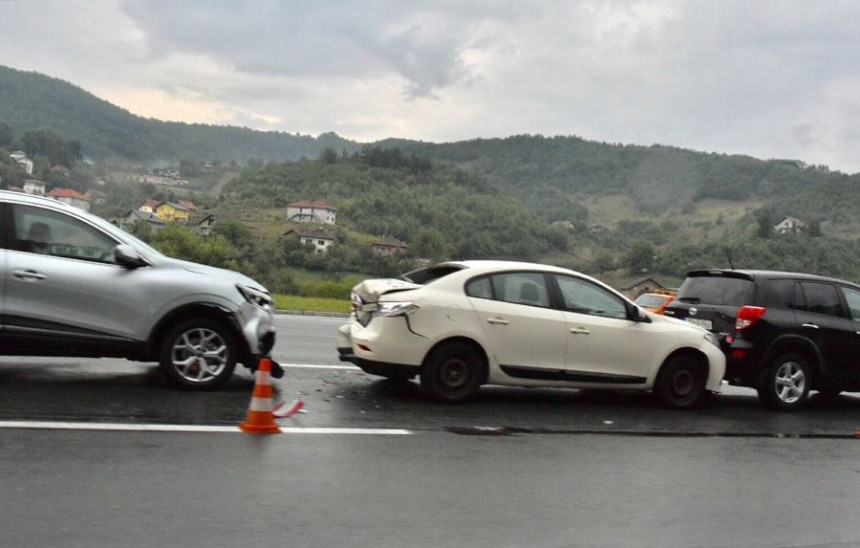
(256, 297)
(713, 339)
(396, 308)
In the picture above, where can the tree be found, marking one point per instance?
(328, 156)
(6, 135)
(639, 258)
(765, 224)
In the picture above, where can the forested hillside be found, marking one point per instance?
(608, 209)
(31, 101)
(555, 174)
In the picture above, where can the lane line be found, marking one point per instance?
(317, 366)
(188, 428)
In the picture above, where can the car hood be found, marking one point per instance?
(676, 321)
(371, 290)
(221, 273)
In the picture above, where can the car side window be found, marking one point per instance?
(480, 288)
(822, 299)
(527, 288)
(852, 296)
(49, 232)
(781, 293)
(586, 298)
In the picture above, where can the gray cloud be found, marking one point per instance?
(769, 79)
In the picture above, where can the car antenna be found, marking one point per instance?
(729, 257)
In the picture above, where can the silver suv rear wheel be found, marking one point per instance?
(199, 354)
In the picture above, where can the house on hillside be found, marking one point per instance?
(71, 197)
(21, 158)
(790, 225)
(206, 224)
(127, 221)
(311, 212)
(388, 246)
(319, 238)
(192, 209)
(645, 285)
(149, 206)
(34, 186)
(170, 212)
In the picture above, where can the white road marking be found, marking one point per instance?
(317, 366)
(186, 428)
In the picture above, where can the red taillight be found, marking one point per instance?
(747, 316)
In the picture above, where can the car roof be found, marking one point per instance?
(769, 274)
(476, 266)
(20, 197)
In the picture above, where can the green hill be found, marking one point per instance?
(30, 101)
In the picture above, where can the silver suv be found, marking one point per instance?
(75, 285)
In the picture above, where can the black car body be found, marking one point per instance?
(783, 333)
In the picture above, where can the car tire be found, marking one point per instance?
(786, 385)
(681, 383)
(199, 354)
(453, 373)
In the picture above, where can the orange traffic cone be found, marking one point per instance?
(260, 419)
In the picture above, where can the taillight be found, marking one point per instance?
(747, 316)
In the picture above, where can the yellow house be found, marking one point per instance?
(169, 212)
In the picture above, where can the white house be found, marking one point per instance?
(318, 238)
(311, 212)
(25, 163)
(34, 186)
(71, 197)
(790, 225)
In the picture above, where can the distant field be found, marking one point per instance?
(311, 304)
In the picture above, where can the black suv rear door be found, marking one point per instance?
(711, 299)
(824, 319)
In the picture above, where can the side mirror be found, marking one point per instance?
(128, 257)
(637, 314)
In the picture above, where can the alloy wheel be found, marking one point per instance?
(199, 355)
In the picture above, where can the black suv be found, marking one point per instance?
(783, 333)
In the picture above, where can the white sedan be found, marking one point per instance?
(459, 325)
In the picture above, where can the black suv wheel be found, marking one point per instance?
(786, 385)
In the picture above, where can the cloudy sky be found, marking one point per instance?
(772, 79)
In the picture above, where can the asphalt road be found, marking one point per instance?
(519, 467)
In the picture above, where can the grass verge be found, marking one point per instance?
(311, 304)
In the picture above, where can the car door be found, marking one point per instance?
(525, 334)
(852, 299)
(824, 320)
(65, 294)
(603, 345)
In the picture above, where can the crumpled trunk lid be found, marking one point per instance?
(366, 294)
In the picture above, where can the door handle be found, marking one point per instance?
(28, 274)
(810, 325)
(498, 321)
(579, 331)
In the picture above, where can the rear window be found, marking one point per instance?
(717, 290)
(424, 276)
(652, 301)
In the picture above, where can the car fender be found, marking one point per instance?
(793, 341)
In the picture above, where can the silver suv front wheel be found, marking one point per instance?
(199, 354)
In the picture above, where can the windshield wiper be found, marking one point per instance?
(691, 300)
